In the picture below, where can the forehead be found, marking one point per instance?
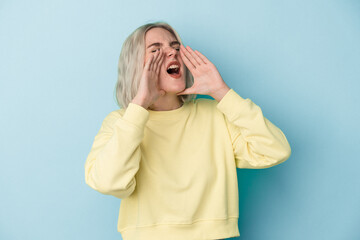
(158, 34)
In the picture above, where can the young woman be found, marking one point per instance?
(170, 157)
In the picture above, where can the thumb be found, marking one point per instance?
(186, 91)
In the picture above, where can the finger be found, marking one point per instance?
(194, 55)
(159, 64)
(190, 90)
(203, 58)
(153, 60)
(187, 62)
(186, 53)
(158, 58)
(148, 62)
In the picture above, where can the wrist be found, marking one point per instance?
(140, 101)
(220, 92)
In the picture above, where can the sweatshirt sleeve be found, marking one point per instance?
(115, 154)
(257, 142)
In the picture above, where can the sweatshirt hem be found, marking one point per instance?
(201, 229)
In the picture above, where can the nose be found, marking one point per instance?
(170, 51)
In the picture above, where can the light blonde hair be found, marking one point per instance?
(131, 62)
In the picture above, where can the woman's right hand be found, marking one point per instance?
(149, 91)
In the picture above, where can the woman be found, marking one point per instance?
(170, 157)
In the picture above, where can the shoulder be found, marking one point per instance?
(112, 117)
(115, 114)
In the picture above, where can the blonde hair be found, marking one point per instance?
(131, 61)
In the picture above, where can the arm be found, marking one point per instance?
(115, 155)
(257, 142)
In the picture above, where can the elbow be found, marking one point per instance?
(281, 157)
(286, 149)
(121, 191)
(285, 155)
(286, 152)
(118, 192)
(119, 188)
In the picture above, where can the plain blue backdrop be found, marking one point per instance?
(298, 60)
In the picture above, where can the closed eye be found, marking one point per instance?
(177, 49)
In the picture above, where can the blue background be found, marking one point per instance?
(298, 60)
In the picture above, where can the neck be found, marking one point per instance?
(166, 103)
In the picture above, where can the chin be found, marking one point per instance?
(172, 85)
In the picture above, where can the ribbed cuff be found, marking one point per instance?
(229, 102)
(136, 114)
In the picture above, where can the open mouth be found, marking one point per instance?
(173, 70)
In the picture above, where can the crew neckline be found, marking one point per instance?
(168, 114)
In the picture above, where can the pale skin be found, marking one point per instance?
(207, 79)
(159, 91)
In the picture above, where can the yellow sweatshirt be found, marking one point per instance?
(175, 171)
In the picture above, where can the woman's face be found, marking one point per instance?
(155, 39)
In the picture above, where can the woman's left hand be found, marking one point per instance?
(207, 79)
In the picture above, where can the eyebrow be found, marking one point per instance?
(159, 44)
